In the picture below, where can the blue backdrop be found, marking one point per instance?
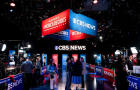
(77, 22)
(84, 56)
(64, 61)
(98, 59)
(44, 55)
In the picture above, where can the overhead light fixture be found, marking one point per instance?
(11, 10)
(29, 45)
(95, 1)
(95, 55)
(12, 4)
(101, 37)
(3, 47)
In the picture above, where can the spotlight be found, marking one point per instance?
(29, 45)
(101, 37)
(95, 1)
(95, 55)
(12, 4)
(11, 10)
(3, 47)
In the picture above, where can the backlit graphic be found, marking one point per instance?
(55, 58)
(56, 23)
(44, 59)
(83, 56)
(64, 61)
(75, 56)
(68, 25)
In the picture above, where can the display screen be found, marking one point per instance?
(84, 56)
(83, 24)
(68, 25)
(55, 58)
(44, 59)
(64, 61)
(75, 56)
(11, 57)
(55, 23)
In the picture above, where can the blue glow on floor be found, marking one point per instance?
(92, 73)
(101, 79)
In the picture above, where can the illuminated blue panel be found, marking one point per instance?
(81, 23)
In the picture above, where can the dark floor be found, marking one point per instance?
(93, 82)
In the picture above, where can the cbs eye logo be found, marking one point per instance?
(56, 47)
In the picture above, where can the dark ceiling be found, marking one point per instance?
(119, 24)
